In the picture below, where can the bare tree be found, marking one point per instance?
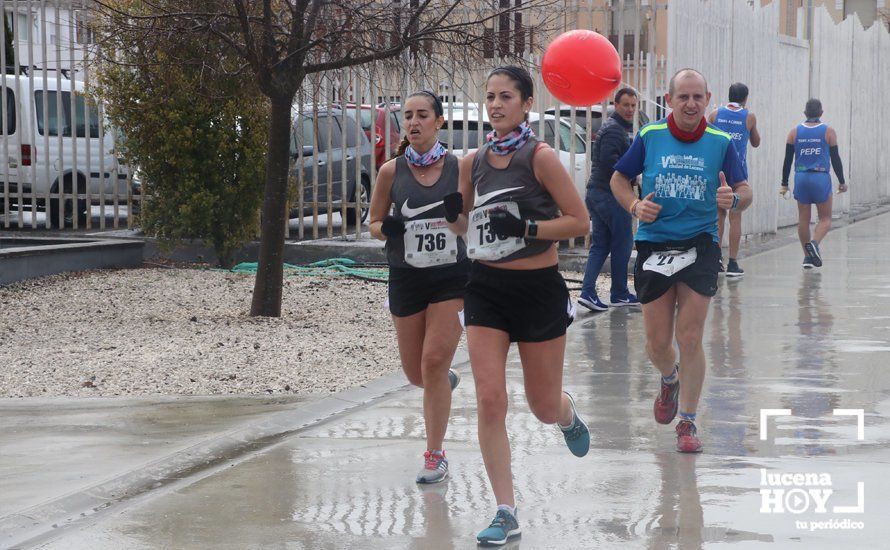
(283, 41)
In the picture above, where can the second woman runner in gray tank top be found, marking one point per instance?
(427, 242)
(427, 267)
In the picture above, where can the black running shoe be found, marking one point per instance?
(812, 249)
(733, 269)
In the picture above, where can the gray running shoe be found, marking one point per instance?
(435, 467)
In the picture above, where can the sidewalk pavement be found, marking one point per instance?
(814, 342)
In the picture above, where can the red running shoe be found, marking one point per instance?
(687, 441)
(667, 403)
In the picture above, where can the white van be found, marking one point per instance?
(52, 150)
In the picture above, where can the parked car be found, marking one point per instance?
(51, 147)
(332, 124)
(367, 114)
(596, 119)
(476, 131)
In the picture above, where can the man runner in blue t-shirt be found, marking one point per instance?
(736, 120)
(689, 169)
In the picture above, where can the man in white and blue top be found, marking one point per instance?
(812, 146)
(736, 120)
(690, 170)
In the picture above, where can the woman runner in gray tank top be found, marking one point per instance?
(428, 266)
(512, 191)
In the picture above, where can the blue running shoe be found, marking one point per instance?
(577, 435)
(630, 300)
(812, 249)
(593, 303)
(808, 262)
(502, 528)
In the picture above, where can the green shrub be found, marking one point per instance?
(197, 137)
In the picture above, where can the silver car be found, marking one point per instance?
(332, 126)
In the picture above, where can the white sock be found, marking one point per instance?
(572, 423)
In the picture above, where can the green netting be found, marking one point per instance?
(334, 267)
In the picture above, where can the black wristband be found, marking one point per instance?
(454, 205)
(392, 227)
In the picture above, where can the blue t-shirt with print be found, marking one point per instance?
(684, 177)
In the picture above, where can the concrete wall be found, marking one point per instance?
(736, 42)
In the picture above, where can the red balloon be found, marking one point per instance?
(581, 68)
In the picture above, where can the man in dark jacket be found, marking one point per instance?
(612, 233)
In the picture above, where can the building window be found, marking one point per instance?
(518, 31)
(791, 17)
(19, 23)
(488, 43)
(86, 34)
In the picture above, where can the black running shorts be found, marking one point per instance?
(701, 276)
(412, 289)
(529, 305)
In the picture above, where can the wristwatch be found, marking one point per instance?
(735, 201)
(531, 229)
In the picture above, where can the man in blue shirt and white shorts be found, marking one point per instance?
(689, 169)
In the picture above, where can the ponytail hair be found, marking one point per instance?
(402, 146)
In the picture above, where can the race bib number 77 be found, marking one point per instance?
(668, 262)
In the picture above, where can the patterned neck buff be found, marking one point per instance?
(510, 142)
(427, 159)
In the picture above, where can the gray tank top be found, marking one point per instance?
(414, 201)
(515, 183)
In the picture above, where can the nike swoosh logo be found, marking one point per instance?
(408, 212)
(479, 200)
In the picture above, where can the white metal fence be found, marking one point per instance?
(57, 156)
(59, 165)
(849, 70)
(462, 92)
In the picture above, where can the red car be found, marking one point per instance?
(367, 111)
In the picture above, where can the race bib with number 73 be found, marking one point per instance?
(429, 243)
(482, 243)
(668, 262)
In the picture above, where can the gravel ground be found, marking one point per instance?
(186, 331)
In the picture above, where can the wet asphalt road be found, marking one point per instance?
(780, 338)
